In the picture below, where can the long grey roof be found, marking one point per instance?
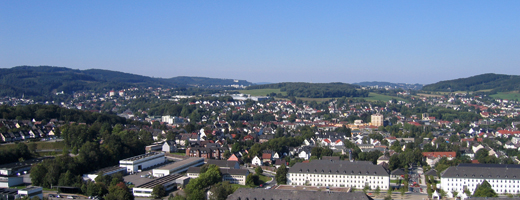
(260, 193)
(339, 167)
(196, 170)
(483, 171)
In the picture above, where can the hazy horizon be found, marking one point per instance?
(306, 41)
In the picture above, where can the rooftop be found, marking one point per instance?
(143, 156)
(181, 163)
(163, 180)
(260, 193)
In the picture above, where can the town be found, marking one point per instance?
(415, 145)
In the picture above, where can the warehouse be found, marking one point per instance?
(105, 171)
(177, 167)
(141, 162)
(31, 192)
(10, 181)
(145, 190)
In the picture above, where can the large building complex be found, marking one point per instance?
(105, 171)
(502, 178)
(141, 162)
(178, 167)
(260, 193)
(332, 173)
(234, 176)
(377, 119)
(145, 190)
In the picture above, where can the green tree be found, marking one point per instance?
(259, 170)
(119, 192)
(252, 180)
(221, 191)
(484, 190)
(378, 191)
(158, 191)
(281, 175)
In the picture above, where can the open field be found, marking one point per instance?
(507, 95)
(380, 97)
(372, 96)
(39, 145)
(429, 95)
(261, 92)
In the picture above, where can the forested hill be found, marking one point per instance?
(46, 80)
(316, 90)
(496, 82)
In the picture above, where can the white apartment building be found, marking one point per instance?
(355, 174)
(502, 178)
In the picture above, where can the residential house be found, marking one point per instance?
(169, 146)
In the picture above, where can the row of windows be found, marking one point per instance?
(337, 176)
(480, 180)
(342, 185)
(341, 181)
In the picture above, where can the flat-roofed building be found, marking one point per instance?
(224, 164)
(260, 193)
(178, 167)
(145, 190)
(141, 162)
(502, 178)
(234, 176)
(19, 167)
(357, 174)
(105, 171)
(31, 192)
(6, 193)
(10, 181)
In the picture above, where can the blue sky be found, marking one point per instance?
(267, 41)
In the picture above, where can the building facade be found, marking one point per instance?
(357, 174)
(377, 119)
(502, 178)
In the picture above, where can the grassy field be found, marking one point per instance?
(39, 145)
(264, 179)
(506, 95)
(261, 92)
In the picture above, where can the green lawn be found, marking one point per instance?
(261, 92)
(236, 186)
(39, 145)
(372, 96)
(264, 179)
(380, 97)
(506, 95)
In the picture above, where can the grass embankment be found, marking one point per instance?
(39, 145)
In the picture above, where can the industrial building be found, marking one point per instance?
(19, 167)
(169, 182)
(31, 192)
(234, 176)
(177, 167)
(141, 162)
(105, 171)
(260, 193)
(10, 181)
